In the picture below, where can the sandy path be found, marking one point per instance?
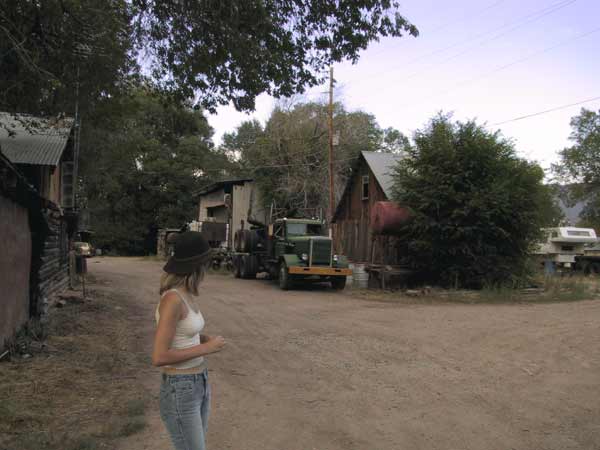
(319, 370)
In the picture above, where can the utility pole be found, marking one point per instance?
(331, 175)
(76, 137)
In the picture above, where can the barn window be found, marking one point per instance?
(365, 187)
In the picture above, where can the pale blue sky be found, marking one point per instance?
(492, 60)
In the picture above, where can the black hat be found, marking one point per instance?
(191, 251)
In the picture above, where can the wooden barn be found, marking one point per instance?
(353, 234)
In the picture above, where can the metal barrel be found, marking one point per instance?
(350, 278)
(360, 276)
(388, 217)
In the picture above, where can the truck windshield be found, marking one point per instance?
(303, 229)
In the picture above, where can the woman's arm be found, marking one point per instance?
(170, 313)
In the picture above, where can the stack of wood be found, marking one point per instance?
(53, 272)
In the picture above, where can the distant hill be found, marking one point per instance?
(572, 213)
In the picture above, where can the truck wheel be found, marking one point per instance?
(338, 283)
(244, 267)
(584, 267)
(237, 238)
(247, 268)
(285, 282)
(236, 268)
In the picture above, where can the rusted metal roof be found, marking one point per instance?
(26, 139)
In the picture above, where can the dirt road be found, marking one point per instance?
(320, 370)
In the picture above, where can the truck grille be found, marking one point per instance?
(321, 251)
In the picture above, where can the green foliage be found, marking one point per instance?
(214, 51)
(289, 156)
(46, 47)
(477, 207)
(235, 50)
(579, 166)
(143, 158)
(393, 141)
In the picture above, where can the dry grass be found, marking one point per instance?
(78, 391)
(152, 258)
(546, 290)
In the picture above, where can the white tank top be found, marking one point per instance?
(187, 332)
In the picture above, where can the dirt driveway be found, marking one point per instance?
(320, 370)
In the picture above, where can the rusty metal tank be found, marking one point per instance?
(387, 217)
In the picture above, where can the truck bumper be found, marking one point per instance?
(322, 271)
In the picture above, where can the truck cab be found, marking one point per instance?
(292, 250)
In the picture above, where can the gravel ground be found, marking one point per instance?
(320, 370)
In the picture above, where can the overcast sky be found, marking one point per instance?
(491, 60)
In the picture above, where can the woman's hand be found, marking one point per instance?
(214, 343)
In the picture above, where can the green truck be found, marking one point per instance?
(292, 251)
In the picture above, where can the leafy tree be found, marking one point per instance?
(234, 50)
(579, 165)
(394, 141)
(477, 208)
(51, 49)
(214, 51)
(289, 156)
(143, 158)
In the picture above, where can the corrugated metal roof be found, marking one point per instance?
(33, 140)
(382, 166)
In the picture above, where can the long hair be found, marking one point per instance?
(189, 282)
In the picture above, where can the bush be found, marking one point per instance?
(477, 208)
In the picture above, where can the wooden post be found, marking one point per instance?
(373, 249)
(72, 269)
(331, 174)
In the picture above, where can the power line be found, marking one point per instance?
(300, 154)
(524, 20)
(532, 17)
(513, 63)
(546, 111)
(278, 166)
(477, 14)
(491, 39)
(295, 155)
(447, 24)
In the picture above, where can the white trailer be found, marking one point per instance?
(564, 244)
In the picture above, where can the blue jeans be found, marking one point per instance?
(184, 409)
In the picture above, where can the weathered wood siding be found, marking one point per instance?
(53, 272)
(245, 196)
(55, 186)
(15, 263)
(352, 231)
(216, 201)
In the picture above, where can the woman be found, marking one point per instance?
(179, 346)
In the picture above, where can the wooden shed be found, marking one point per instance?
(370, 182)
(231, 202)
(39, 153)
